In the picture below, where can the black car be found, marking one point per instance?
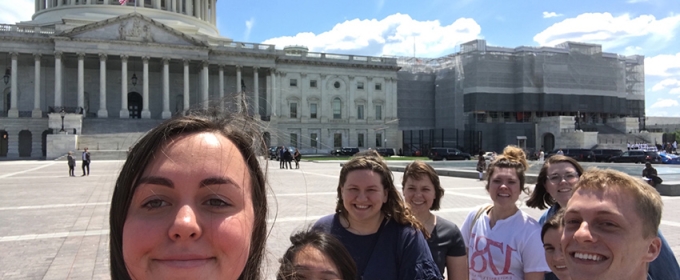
(273, 152)
(603, 155)
(577, 154)
(637, 157)
(385, 152)
(345, 151)
(448, 154)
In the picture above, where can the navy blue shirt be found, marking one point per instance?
(394, 252)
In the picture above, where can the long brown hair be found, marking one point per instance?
(512, 157)
(395, 207)
(243, 132)
(540, 198)
(419, 169)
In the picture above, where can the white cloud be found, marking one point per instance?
(664, 103)
(249, 28)
(393, 35)
(551, 14)
(609, 31)
(18, 10)
(664, 65)
(672, 84)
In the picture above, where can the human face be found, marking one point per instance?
(553, 253)
(191, 215)
(419, 194)
(363, 195)
(504, 187)
(603, 238)
(310, 263)
(562, 177)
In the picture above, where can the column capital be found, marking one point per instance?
(303, 75)
(255, 68)
(81, 55)
(14, 55)
(165, 60)
(351, 78)
(272, 70)
(103, 56)
(37, 56)
(124, 57)
(145, 59)
(220, 66)
(205, 63)
(58, 54)
(239, 67)
(370, 79)
(323, 76)
(186, 62)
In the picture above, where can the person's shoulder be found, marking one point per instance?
(444, 223)
(527, 220)
(446, 227)
(325, 222)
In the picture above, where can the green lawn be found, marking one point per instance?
(321, 158)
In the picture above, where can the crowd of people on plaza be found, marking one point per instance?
(287, 156)
(668, 147)
(191, 202)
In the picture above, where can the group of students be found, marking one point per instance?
(191, 203)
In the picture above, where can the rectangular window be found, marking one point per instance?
(312, 83)
(337, 109)
(378, 112)
(378, 140)
(312, 111)
(337, 140)
(360, 112)
(314, 143)
(360, 140)
(293, 140)
(378, 86)
(293, 110)
(293, 82)
(360, 85)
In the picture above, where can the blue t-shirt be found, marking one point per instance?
(665, 266)
(394, 252)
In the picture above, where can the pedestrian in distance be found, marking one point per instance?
(297, 157)
(316, 255)
(481, 165)
(86, 162)
(650, 175)
(282, 162)
(288, 158)
(71, 164)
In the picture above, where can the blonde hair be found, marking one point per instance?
(647, 201)
(512, 157)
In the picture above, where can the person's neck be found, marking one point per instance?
(362, 227)
(498, 213)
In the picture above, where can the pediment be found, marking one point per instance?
(132, 27)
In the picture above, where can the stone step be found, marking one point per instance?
(96, 155)
(117, 141)
(115, 126)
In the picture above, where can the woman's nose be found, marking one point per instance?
(185, 225)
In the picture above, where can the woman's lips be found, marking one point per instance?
(185, 262)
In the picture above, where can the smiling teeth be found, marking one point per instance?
(564, 190)
(504, 195)
(560, 266)
(362, 206)
(585, 256)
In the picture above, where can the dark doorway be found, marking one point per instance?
(8, 100)
(267, 139)
(135, 105)
(44, 141)
(25, 143)
(4, 143)
(548, 142)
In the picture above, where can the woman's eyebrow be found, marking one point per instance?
(219, 181)
(155, 180)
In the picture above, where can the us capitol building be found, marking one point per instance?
(97, 74)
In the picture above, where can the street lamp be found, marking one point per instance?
(317, 145)
(7, 75)
(62, 113)
(134, 79)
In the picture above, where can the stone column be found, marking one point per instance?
(274, 97)
(351, 107)
(393, 96)
(190, 12)
(239, 90)
(268, 98)
(205, 97)
(166, 89)
(37, 113)
(81, 82)
(37, 5)
(146, 114)
(221, 86)
(199, 9)
(59, 3)
(186, 85)
(256, 91)
(321, 108)
(124, 113)
(57, 80)
(102, 113)
(13, 110)
(214, 12)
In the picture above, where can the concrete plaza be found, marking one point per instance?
(56, 227)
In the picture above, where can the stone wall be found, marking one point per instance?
(60, 144)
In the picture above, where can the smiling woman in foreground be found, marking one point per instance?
(190, 203)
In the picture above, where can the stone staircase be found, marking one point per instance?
(110, 139)
(612, 138)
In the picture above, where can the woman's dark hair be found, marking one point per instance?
(239, 129)
(395, 207)
(554, 222)
(419, 169)
(324, 242)
(540, 198)
(512, 157)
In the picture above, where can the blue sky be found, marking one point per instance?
(384, 27)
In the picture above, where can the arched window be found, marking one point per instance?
(337, 108)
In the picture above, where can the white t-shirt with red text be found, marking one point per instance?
(506, 251)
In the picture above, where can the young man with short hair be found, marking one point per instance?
(610, 227)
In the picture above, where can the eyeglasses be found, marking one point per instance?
(569, 177)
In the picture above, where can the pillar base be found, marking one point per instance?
(124, 114)
(146, 114)
(102, 114)
(166, 115)
(36, 114)
(13, 113)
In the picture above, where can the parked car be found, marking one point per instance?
(448, 154)
(345, 151)
(488, 156)
(669, 158)
(577, 154)
(273, 152)
(385, 152)
(637, 157)
(603, 155)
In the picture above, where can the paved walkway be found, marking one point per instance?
(56, 227)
